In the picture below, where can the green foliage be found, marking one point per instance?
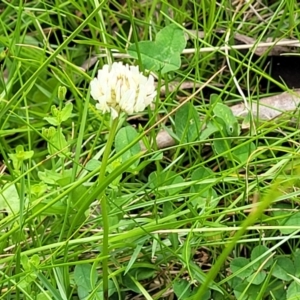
(124, 137)
(60, 116)
(9, 199)
(284, 266)
(183, 290)
(165, 181)
(57, 143)
(213, 212)
(30, 266)
(243, 152)
(223, 126)
(187, 123)
(251, 275)
(206, 196)
(86, 287)
(227, 126)
(134, 276)
(164, 53)
(19, 157)
(292, 220)
(226, 120)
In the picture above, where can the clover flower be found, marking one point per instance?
(122, 88)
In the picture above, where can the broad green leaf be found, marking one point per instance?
(163, 54)
(168, 208)
(242, 153)
(249, 291)
(277, 289)
(214, 98)
(198, 274)
(82, 275)
(54, 178)
(35, 260)
(206, 195)
(175, 190)
(38, 189)
(207, 199)
(138, 274)
(9, 199)
(209, 130)
(95, 164)
(283, 267)
(114, 166)
(293, 291)
(52, 121)
(111, 290)
(199, 174)
(59, 116)
(46, 295)
(65, 178)
(217, 296)
(160, 179)
(130, 284)
(25, 262)
(79, 190)
(27, 280)
(20, 155)
(166, 179)
(143, 273)
(187, 123)
(239, 263)
(265, 261)
(55, 209)
(49, 176)
(221, 144)
(257, 277)
(225, 115)
(58, 144)
(150, 55)
(183, 290)
(235, 281)
(281, 213)
(124, 137)
(294, 220)
(92, 164)
(66, 112)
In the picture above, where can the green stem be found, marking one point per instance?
(105, 207)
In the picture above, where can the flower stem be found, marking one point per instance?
(105, 207)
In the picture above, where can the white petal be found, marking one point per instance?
(95, 90)
(121, 87)
(103, 107)
(127, 101)
(114, 113)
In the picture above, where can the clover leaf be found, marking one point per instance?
(164, 53)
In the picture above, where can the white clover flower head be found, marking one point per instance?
(122, 88)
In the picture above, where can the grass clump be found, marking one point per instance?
(184, 200)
